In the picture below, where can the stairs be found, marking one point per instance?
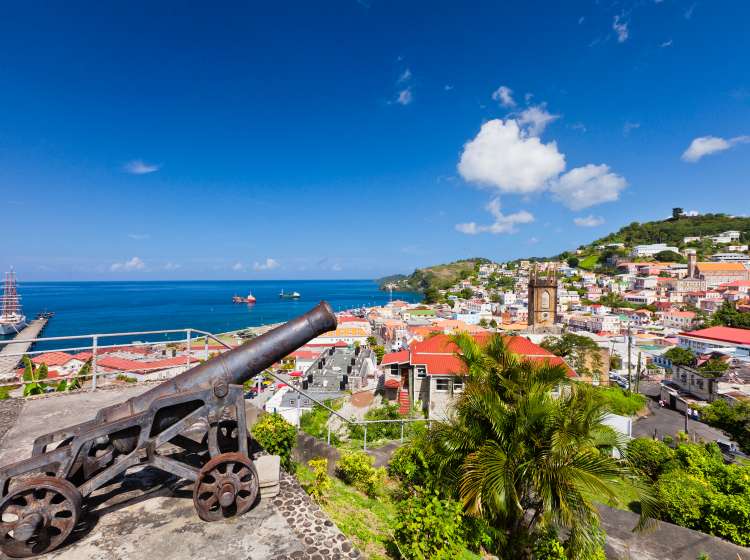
(404, 402)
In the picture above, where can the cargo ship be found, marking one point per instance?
(250, 298)
(12, 320)
(289, 295)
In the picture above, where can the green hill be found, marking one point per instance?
(439, 276)
(673, 230)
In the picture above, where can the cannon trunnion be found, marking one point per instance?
(200, 412)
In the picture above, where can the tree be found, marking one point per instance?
(728, 316)
(714, 365)
(379, 352)
(431, 295)
(573, 262)
(733, 419)
(523, 460)
(466, 293)
(680, 356)
(483, 323)
(371, 341)
(669, 256)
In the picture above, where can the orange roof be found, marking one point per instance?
(721, 267)
(52, 359)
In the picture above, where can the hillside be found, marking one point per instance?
(439, 276)
(673, 230)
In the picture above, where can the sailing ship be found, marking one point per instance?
(289, 295)
(12, 320)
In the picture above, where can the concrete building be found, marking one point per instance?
(652, 249)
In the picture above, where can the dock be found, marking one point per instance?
(9, 363)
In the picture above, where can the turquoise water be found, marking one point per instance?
(107, 307)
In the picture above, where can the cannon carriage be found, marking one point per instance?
(42, 498)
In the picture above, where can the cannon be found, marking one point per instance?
(42, 497)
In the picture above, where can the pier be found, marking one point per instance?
(8, 361)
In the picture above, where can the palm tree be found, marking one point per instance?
(525, 458)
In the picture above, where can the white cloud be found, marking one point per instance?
(502, 224)
(581, 20)
(589, 221)
(689, 11)
(535, 119)
(404, 96)
(172, 266)
(238, 267)
(578, 126)
(501, 156)
(707, 145)
(140, 167)
(666, 44)
(336, 267)
(447, 87)
(621, 28)
(587, 186)
(139, 236)
(504, 95)
(268, 264)
(133, 264)
(404, 77)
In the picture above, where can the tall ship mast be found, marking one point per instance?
(12, 320)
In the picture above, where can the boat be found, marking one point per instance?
(239, 299)
(12, 320)
(289, 295)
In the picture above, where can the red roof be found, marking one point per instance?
(437, 353)
(338, 344)
(52, 358)
(722, 334)
(395, 358)
(295, 374)
(122, 364)
(306, 354)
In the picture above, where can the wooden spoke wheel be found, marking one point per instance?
(37, 515)
(226, 486)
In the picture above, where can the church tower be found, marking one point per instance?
(542, 298)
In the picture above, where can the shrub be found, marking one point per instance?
(410, 466)
(385, 430)
(428, 528)
(548, 547)
(278, 437)
(315, 422)
(648, 456)
(355, 468)
(620, 402)
(321, 484)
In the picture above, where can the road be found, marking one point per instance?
(668, 422)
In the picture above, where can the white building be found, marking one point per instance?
(730, 257)
(651, 250)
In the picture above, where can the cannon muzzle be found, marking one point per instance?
(237, 365)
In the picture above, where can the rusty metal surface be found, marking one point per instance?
(227, 486)
(145, 430)
(37, 516)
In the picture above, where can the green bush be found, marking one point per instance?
(410, 465)
(321, 483)
(649, 456)
(548, 547)
(733, 419)
(428, 528)
(385, 430)
(278, 437)
(315, 422)
(355, 468)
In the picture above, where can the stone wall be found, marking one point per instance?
(309, 447)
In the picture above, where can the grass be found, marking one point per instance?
(620, 402)
(589, 263)
(626, 497)
(366, 521)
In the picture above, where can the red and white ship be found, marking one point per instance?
(239, 299)
(12, 320)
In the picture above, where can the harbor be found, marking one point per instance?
(12, 352)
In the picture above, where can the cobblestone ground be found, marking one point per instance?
(322, 539)
(9, 411)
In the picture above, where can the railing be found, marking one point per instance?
(98, 350)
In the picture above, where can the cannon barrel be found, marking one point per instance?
(237, 365)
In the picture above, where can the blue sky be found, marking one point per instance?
(345, 139)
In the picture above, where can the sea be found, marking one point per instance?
(82, 308)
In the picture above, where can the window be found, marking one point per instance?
(442, 385)
(421, 371)
(394, 369)
(458, 385)
(545, 300)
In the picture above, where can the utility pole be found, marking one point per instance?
(638, 374)
(630, 342)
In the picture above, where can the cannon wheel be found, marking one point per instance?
(37, 515)
(227, 485)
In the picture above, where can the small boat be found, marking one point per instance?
(289, 295)
(239, 299)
